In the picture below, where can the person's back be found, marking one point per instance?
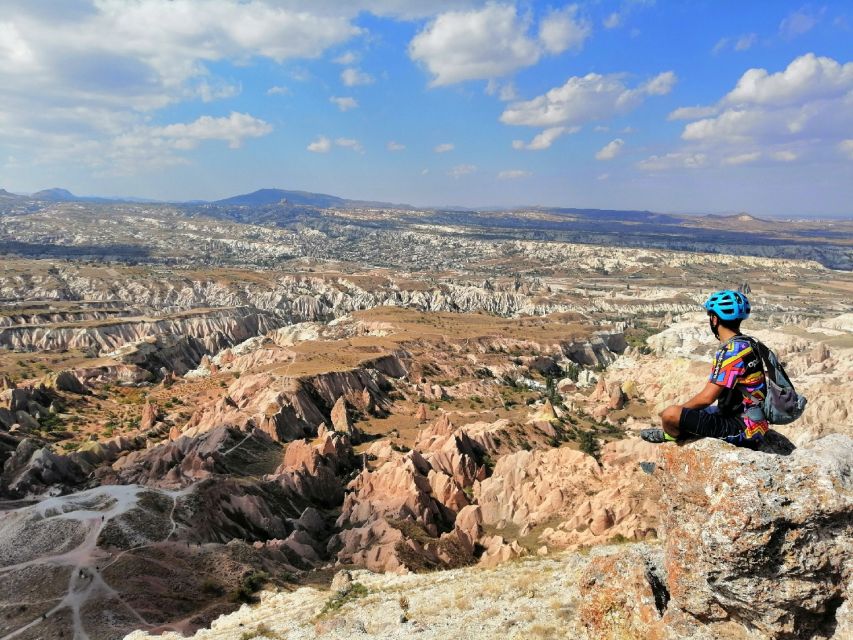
(737, 385)
(737, 368)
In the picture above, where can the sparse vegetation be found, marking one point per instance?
(356, 590)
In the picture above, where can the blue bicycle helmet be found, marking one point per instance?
(728, 305)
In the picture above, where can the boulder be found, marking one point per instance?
(758, 539)
(66, 381)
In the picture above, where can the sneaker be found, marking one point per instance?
(656, 436)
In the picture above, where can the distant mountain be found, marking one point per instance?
(263, 197)
(266, 197)
(55, 195)
(5, 194)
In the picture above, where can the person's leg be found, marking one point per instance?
(670, 419)
(699, 423)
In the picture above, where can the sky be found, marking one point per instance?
(672, 106)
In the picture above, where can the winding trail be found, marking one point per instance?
(94, 509)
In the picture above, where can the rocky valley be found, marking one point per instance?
(287, 421)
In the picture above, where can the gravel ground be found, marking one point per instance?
(531, 598)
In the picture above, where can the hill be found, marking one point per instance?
(266, 197)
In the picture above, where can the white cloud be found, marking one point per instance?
(232, 129)
(600, 128)
(613, 20)
(795, 114)
(746, 41)
(347, 58)
(352, 77)
(462, 170)
(676, 160)
(83, 81)
(603, 176)
(544, 139)
(811, 101)
(742, 158)
(610, 150)
(514, 174)
(321, 145)
(504, 90)
(344, 103)
(349, 143)
(692, 113)
(742, 42)
(585, 98)
(784, 156)
(807, 77)
(491, 42)
(799, 22)
(846, 147)
(395, 146)
(563, 29)
(278, 90)
(444, 147)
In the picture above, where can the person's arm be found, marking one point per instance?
(705, 398)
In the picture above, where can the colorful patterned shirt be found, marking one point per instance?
(738, 369)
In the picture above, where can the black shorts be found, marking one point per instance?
(698, 423)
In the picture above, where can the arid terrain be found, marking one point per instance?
(288, 421)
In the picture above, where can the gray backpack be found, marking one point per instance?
(782, 404)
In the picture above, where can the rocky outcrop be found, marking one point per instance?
(209, 331)
(588, 502)
(758, 545)
(289, 408)
(178, 463)
(34, 468)
(393, 517)
(761, 539)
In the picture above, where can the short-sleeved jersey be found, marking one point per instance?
(738, 369)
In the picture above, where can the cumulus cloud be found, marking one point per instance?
(444, 147)
(321, 145)
(278, 90)
(492, 41)
(344, 103)
(395, 146)
(233, 129)
(675, 160)
(812, 99)
(544, 139)
(462, 170)
(846, 147)
(514, 174)
(85, 80)
(584, 99)
(808, 77)
(563, 29)
(352, 77)
(797, 112)
(610, 150)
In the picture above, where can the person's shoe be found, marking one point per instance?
(656, 436)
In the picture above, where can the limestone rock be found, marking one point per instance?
(66, 381)
(150, 415)
(622, 595)
(759, 539)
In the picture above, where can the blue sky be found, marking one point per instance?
(670, 106)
